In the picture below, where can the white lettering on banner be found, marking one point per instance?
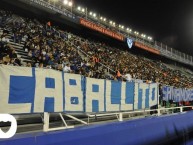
(177, 94)
(35, 90)
(6, 73)
(182, 93)
(94, 95)
(48, 91)
(73, 93)
(186, 96)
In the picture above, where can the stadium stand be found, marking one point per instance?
(26, 42)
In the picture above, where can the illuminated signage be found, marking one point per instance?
(147, 48)
(100, 29)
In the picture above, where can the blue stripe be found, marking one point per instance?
(34, 77)
(83, 88)
(63, 90)
(115, 92)
(153, 94)
(134, 84)
(105, 95)
(140, 98)
(95, 106)
(147, 98)
(85, 85)
(49, 104)
(129, 93)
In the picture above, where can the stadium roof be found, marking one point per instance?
(170, 21)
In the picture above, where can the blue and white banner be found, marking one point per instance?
(177, 94)
(35, 90)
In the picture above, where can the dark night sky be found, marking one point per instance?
(167, 21)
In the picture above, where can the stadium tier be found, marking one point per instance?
(26, 42)
(54, 78)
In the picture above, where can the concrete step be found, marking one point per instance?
(26, 60)
(20, 50)
(25, 57)
(17, 47)
(16, 44)
(22, 42)
(22, 53)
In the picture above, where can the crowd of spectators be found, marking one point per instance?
(49, 47)
(8, 55)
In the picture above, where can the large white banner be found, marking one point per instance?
(35, 90)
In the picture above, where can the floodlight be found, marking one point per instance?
(65, 2)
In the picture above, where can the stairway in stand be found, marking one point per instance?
(19, 48)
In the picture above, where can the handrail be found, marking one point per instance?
(140, 111)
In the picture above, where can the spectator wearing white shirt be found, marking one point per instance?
(128, 77)
(67, 68)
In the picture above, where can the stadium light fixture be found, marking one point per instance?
(136, 33)
(143, 35)
(112, 23)
(79, 8)
(70, 4)
(94, 14)
(90, 13)
(150, 38)
(102, 19)
(65, 2)
(130, 30)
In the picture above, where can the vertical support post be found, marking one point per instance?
(158, 97)
(46, 122)
(88, 119)
(86, 13)
(120, 116)
(172, 52)
(181, 109)
(158, 112)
